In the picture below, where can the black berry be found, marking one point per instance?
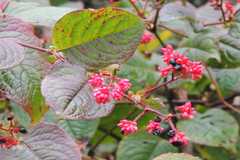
(157, 132)
(10, 118)
(22, 130)
(171, 133)
(177, 143)
(2, 141)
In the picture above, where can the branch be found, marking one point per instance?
(222, 11)
(154, 88)
(219, 93)
(53, 52)
(155, 21)
(139, 12)
(214, 24)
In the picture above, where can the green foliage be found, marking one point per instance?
(98, 38)
(78, 129)
(72, 98)
(142, 146)
(176, 156)
(140, 71)
(215, 128)
(59, 96)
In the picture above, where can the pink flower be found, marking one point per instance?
(112, 1)
(107, 87)
(117, 93)
(228, 6)
(165, 71)
(168, 53)
(180, 64)
(102, 95)
(153, 126)
(96, 80)
(8, 142)
(134, 1)
(186, 111)
(124, 84)
(196, 70)
(146, 38)
(179, 138)
(127, 126)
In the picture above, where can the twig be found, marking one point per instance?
(53, 52)
(214, 24)
(36, 48)
(139, 12)
(155, 21)
(222, 11)
(145, 5)
(144, 106)
(4, 4)
(219, 93)
(154, 88)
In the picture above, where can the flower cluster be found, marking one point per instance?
(227, 6)
(107, 87)
(112, 1)
(180, 64)
(179, 139)
(10, 133)
(8, 142)
(162, 126)
(154, 127)
(186, 111)
(127, 126)
(146, 38)
(229, 10)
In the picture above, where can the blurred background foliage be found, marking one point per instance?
(103, 140)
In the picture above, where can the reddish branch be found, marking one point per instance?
(139, 12)
(53, 52)
(219, 93)
(146, 108)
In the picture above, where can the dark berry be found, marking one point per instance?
(173, 62)
(177, 143)
(22, 130)
(157, 119)
(171, 133)
(2, 141)
(177, 66)
(10, 118)
(157, 132)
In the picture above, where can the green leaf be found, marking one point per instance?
(177, 10)
(207, 14)
(230, 48)
(213, 153)
(78, 129)
(215, 128)
(35, 14)
(98, 38)
(178, 17)
(67, 92)
(228, 79)
(22, 82)
(140, 71)
(234, 31)
(11, 54)
(20, 115)
(44, 142)
(142, 146)
(176, 156)
(199, 47)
